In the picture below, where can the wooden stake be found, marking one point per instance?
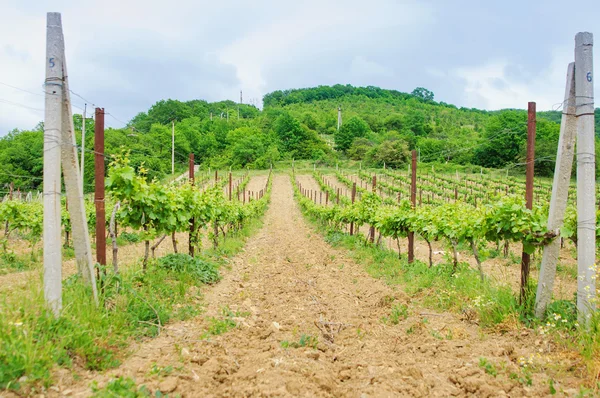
(525, 257)
(413, 200)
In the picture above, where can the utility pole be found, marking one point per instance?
(173, 147)
(586, 178)
(83, 145)
(339, 123)
(52, 160)
(525, 257)
(239, 104)
(560, 193)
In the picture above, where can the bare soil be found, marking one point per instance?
(311, 322)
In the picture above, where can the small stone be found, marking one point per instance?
(185, 352)
(276, 326)
(344, 375)
(168, 385)
(313, 355)
(67, 392)
(200, 360)
(322, 347)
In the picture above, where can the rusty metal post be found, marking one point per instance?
(413, 201)
(525, 257)
(353, 199)
(372, 229)
(327, 198)
(230, 186)
(191, 237)
(99, 187)
(191, 167)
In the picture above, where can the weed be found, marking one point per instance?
(360, 333)
(120, 387)
(161, 371)
(219, 326)
(204, 271)
(399, 313)
(11, 262)
(129, 237)
(488, 367)
(523, 376)
(222, 325)
(306, 340)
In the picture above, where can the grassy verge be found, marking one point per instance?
(133, 305)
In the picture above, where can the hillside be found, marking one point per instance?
(378, 126)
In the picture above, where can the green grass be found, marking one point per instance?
(488, 367)
(305, 340)
(133, 305)
(125, 238)
(120, 387)
(11, 262)
(399, 313)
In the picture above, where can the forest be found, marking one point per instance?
(378, 127)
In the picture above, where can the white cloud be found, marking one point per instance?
(314, 29)
(501, 84)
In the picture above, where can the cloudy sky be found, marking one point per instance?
(126, 55)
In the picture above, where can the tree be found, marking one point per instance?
(247, 145)
(394, 153)
(423, 94)
(353, 128)
(394, 122)
(290, 132)
(360, 147)
(504, 136)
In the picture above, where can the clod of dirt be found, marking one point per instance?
(168, 385)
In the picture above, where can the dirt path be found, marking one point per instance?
(309, 323)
